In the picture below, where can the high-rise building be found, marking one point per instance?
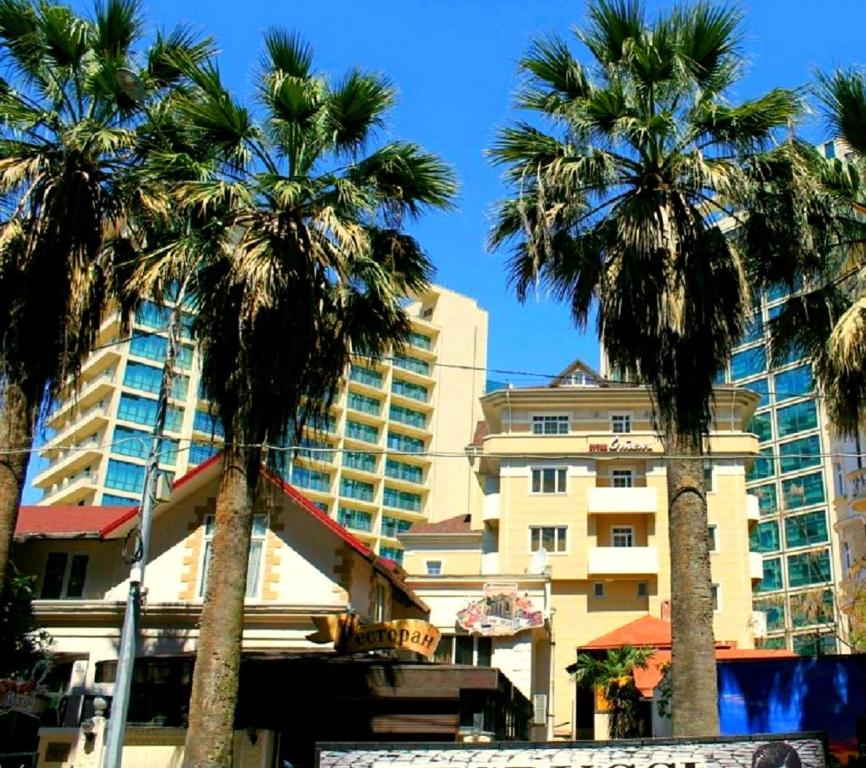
(371, 464)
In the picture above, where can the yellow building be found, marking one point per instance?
(569, 521)
(850, 526)
(422, 401)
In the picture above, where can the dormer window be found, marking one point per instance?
(620, 423)
(550, 424)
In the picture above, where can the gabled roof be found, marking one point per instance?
(71, 522)
(577, 368)
(646, 631)
(452, 525)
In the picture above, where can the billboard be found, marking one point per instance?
(797, 750)
(502, 610)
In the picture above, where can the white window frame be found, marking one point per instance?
(616, 530)
(541, 418)
(380, 605)
(67, 574)
(542, 470)
(427, 570)
(622, 472)
(625, 420)
(208, 539)
(597, 594)
(716, 594)
(715, 538)
(556, 528)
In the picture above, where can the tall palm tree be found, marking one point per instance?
(71, 96)
(613, 675)
(296, 229)
(620, 187)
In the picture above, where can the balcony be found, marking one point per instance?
(623, 561)
(857, 496)
(756, 566)
(92, 390)
(612, 501)
(73, 489)
(753, 508)
(69, 461)
(85, 422)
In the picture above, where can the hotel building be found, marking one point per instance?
(566, 538)
(368, 465)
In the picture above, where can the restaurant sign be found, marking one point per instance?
(795, 750)
(501, 611)
(349, 635)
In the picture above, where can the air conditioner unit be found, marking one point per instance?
(539, 709)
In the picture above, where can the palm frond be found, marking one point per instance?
(287, 53)
(356, 106)
(843, 95)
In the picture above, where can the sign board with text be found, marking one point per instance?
(795, 750)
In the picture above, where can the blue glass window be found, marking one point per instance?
(365, 376)
(772, 575)
(200, 452)
(765, 537)
(364, 432)
(754, 329)
(112, 500)
(359, 460)
(209, 425)
(803, 491)
(356, 489)
(408, 416)
(391, 553)
(767, 499)
(310, 478)
(794, 383)
(137, 442)
(149, 379)
(762, 388)
(149, 346)
(123, 476)
(409, 363)
(800, 454)
(763, 466)
(419, 340)
(142, 410)
(809, 568)
(749, 362)
(409, 389)
(400, 470)
(805, 530)
(355, 518)
(762, 425)
(775, 611)
(799, 417)
(316, 450)
(401, 499)
(405, 443)
(393, 526)
(363, 403)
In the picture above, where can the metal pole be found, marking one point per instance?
(131, 620)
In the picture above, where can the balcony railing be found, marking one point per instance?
(624, 561)
(607, 501)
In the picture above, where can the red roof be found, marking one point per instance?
(647, 631)
(71, 521)
(458, 524)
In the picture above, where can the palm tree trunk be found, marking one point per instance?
(694, 701)
(17, 424)
(215, 678)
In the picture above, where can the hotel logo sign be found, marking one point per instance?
(621, 446)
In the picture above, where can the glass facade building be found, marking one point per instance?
(792, 479)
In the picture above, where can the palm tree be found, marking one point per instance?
(296, 230)
(613, 676)
(71, 93)
(619, 203)
(825, 318)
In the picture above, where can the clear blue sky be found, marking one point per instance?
(453, 62)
